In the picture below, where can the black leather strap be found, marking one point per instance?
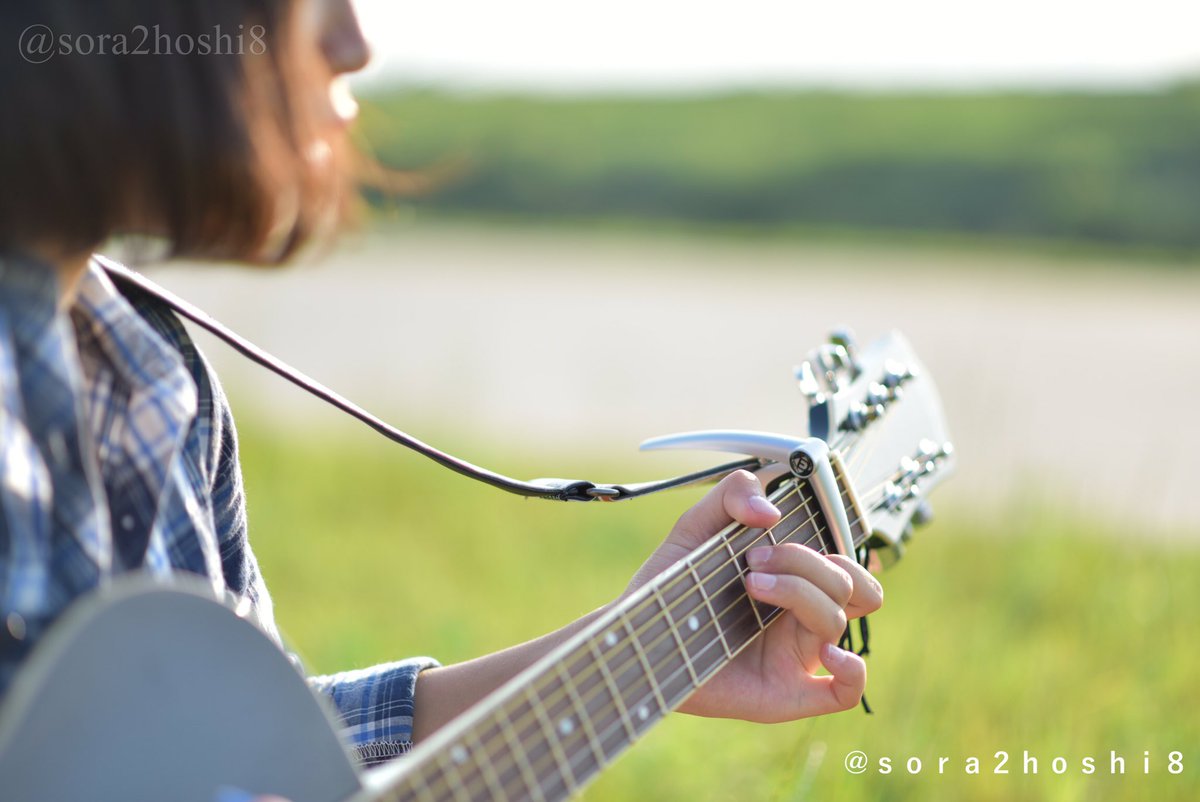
(554, 489)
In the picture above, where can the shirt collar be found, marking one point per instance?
(143, 359)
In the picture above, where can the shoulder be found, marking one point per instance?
(212, 431)
(161, 318)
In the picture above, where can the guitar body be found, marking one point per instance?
(146, 692)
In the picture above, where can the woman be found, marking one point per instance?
(218, 127)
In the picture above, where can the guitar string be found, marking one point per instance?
(588, 745)
(851, 458)
(521, 724)
(578, 759)
(588, 748)
(557, 697)
(525, 719)
(595, 672)
(606, 652)
(714, 643)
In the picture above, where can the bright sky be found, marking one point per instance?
(568, 45)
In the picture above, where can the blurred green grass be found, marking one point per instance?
(1003, 630)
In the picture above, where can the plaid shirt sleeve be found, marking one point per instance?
(48, 557)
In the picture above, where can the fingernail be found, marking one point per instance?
(758, 557)
(833, 656)
(761, 581)
(761, 506)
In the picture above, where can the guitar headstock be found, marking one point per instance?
(879, 413)
(880, 410)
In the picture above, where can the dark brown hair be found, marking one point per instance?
(198, 126)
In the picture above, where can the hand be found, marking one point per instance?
(774, 678)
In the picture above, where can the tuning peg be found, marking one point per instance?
(833, 362)
(923, 514)
(856, 418)
(877, 395)
(807, 380)
(893, 373)
(844, 337)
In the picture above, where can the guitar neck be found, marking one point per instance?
(555, 726)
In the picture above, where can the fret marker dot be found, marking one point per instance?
(693, 623)
(643, 712)
(458, 754)
(610, 639)
(566, 726)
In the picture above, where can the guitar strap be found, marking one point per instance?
(553, 489)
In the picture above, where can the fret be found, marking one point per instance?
(593, 741)
(641, 654)
(560, 759)
(424, 793)
(603, 702)
(673, 627)
(712, 614)
(802, 518)
(749, 536)
(453, 779)
(622, 710)
(799, 516)
(753, 605)
(735, 610)
(522, 761)
(490, 737)
(491, 779)
(670, 666)
(733, 556)
(552, 734)
(702, 636)
(816, 534)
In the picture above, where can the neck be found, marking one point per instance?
(69, 268)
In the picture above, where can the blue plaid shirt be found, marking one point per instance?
(118, 453)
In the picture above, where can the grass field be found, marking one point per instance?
(1005, 631)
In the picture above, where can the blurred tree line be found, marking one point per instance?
(1103, 168)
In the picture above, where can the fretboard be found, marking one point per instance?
(555, 726)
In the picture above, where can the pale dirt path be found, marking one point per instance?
(1082, 382)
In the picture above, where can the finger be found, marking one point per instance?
(738, 497)
(843, 688)
(808, 648)
(792, 558)
(811, 606)
(867, 595)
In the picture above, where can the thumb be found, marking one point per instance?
(738, 497)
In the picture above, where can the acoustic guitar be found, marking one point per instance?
(158, 692)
